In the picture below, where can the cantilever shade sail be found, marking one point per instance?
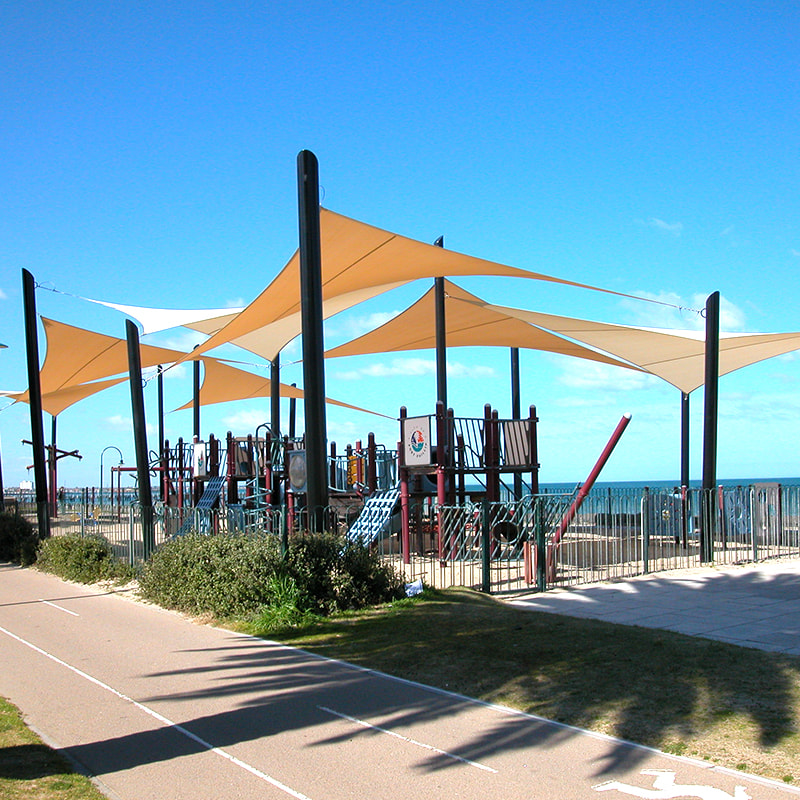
(56, 402)
(76, 356)
(469, 323)
(677, 357)
(359, 261)
(223, 383)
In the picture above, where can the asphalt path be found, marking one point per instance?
(156, 706)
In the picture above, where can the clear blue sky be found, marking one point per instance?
(148, 157)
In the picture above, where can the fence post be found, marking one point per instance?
(541, 549)
(646, 529)
(486, 543)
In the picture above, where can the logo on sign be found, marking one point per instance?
(417, 441)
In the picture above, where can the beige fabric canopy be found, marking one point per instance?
(76, 356)
(223, 383)
(469, 322)
(56, 402)
(677, 357)
(359, 261)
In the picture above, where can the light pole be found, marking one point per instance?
(110, 447)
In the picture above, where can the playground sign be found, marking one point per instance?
(416, 438)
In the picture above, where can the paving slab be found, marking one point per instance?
(157, 707)
(752, 605)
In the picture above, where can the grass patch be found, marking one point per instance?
(30, 769)
(725, 704)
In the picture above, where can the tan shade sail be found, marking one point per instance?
(268, 340)
(468, 323)
(76, 356)
(56, 402)
(223, 383)
(677, 357)
(357, 260)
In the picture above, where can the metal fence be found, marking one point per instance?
(536, 543)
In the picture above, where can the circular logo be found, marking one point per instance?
(418, 441)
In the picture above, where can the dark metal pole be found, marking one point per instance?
(35, 402)
(710, 424)
(441, 335)
(292, 413)
(140, 436)
(275, 396)
(684, 439)
(161, 455)
(313, 347)
(275, 424)
(196, 400)
(516, 410)
(53, 469)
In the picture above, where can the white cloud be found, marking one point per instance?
(728, 231)
(3, 295)
(246, 419)
(585, 375)
(675, 228)
(795, 253)
(355, 326)
(681, 313)
(415, 367)
(122, 423)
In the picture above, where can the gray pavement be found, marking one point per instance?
(157, 707)
(753, 605)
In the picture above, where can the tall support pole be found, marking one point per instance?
(710, 424)
(2, 490)
(140, 437)
(275, 426)
(275, 396)
(53, 459)
(313, 348)
(35, 402)
(684, 439)
(441, 335)
(162, 456)
(292, 414)
(516, 410)
(196, 399)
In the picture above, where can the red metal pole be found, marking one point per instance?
(584, 490)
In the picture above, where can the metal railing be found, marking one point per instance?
(506, 546)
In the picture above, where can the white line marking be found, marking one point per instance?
(65, 610)
(162, 719)
(407, 739)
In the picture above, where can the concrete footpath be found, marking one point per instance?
(752, 605)
(160, 708)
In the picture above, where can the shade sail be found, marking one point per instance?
(358, 262)
(268, 340)
(677, 357)
(76, 356)
(469, 323)
(153, 320)
(223, 383)
(56, 402)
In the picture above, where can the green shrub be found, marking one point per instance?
(225, 576)
(246, 576)
(333, 574)
(19, 539)
(85, 559)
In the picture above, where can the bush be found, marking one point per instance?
(242, 576)
(225, 576)
(85, 559)
(19, 539)
(333, 574)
